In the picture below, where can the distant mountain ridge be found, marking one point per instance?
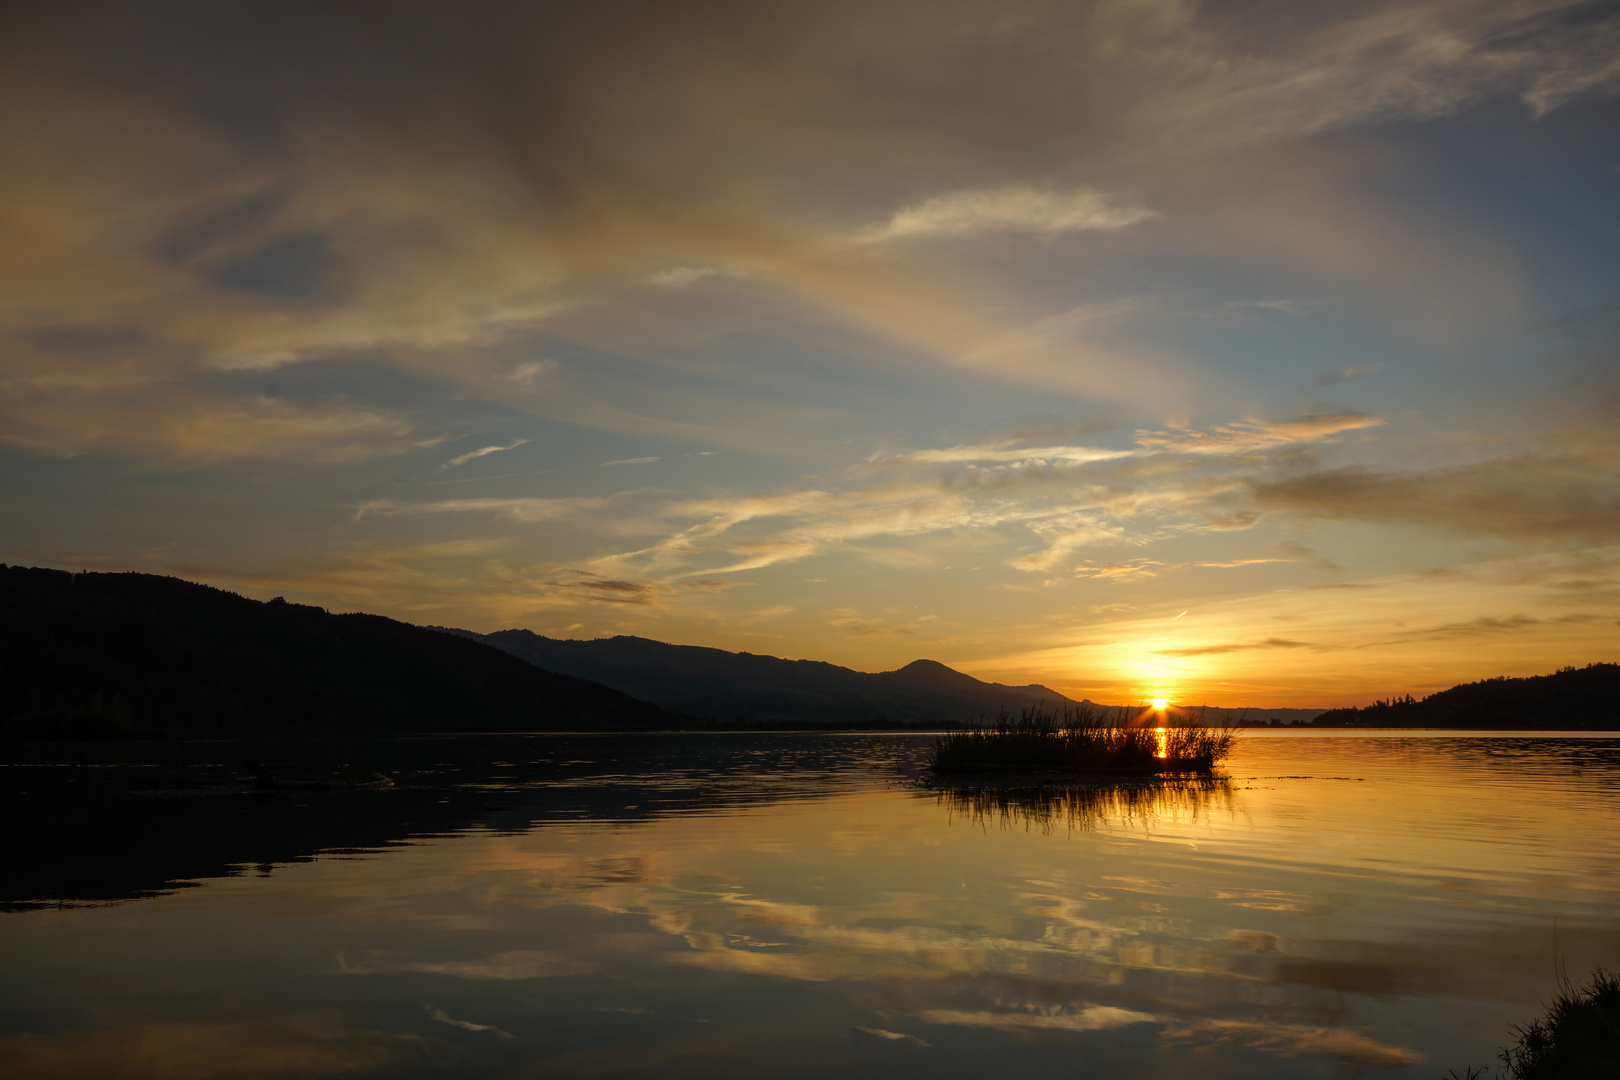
(137, 655)
(719, 685)
(1570, 698)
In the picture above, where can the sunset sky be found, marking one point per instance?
(1249, 354)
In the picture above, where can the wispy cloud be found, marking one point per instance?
(1014, 209)
(522, 510)
(1052, 490)
(473, 455)
(1249, 435)
(1345, 374)
(1221, 650)
(1089, 1018)
(518, 964)
(891, 1036)
(466, 1025)
(1133, 570)
(1292, 1040)
(1005, 453)
(681, 277)
(598, 589)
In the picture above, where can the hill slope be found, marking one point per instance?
(99, 655)
(716, 684)
(1571, 698)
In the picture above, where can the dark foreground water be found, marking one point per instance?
(790, 905)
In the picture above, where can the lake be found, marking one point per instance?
(1344, 903)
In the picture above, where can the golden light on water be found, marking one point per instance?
(1164, 742)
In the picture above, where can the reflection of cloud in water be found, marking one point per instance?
(275, 1046)
(1090, 1018)
(1291, 1040)
(889, 1036)
(520, 964)
(1082, 807)
(466, 1025)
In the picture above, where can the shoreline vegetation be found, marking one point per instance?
(1083, 739)
(1578, 1038)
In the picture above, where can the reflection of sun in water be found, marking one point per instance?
(1163, 736)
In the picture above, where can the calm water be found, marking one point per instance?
(789, 905)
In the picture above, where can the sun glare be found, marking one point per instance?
(1159, 703)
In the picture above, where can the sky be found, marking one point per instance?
(1243, 354)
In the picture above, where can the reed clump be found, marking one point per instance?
(1081, 738)
(1578, 1037)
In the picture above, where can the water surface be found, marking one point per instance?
(792, 905)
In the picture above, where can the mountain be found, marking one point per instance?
(110, 655)
(1571, 698)
(720, 685)
(1245, 716)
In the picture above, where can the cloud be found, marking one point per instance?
(530, 370)
(1492, 626)
(1012, 208)
(300, 1045)
(1064, 535)
(193, 429)
(1291, 1040)
(890, 1036)
(631, 461)
(505, 191)
(1528, 497)
(466, 1025)
(516, 964)
(681, 277)
(1055, 491)
(712, 586)
(1090, 1018)
(1219, 650)
(481, 452)
(1339, 375)
(604, 590)
(853, 622)
(1008, 454)
(1250, 435)
(527, 511)
(1132, 570)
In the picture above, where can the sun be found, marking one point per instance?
(1159, 703)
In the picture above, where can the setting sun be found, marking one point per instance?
(1159, 704)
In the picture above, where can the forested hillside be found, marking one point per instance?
(109, 655)
(1571, 698)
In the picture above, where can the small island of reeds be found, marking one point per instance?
(1081, 739)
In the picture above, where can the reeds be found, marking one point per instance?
(1578, 1037)
(1081, 738)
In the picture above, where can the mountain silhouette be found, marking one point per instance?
(719, 685)
(1571, 698)
(130, 655)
